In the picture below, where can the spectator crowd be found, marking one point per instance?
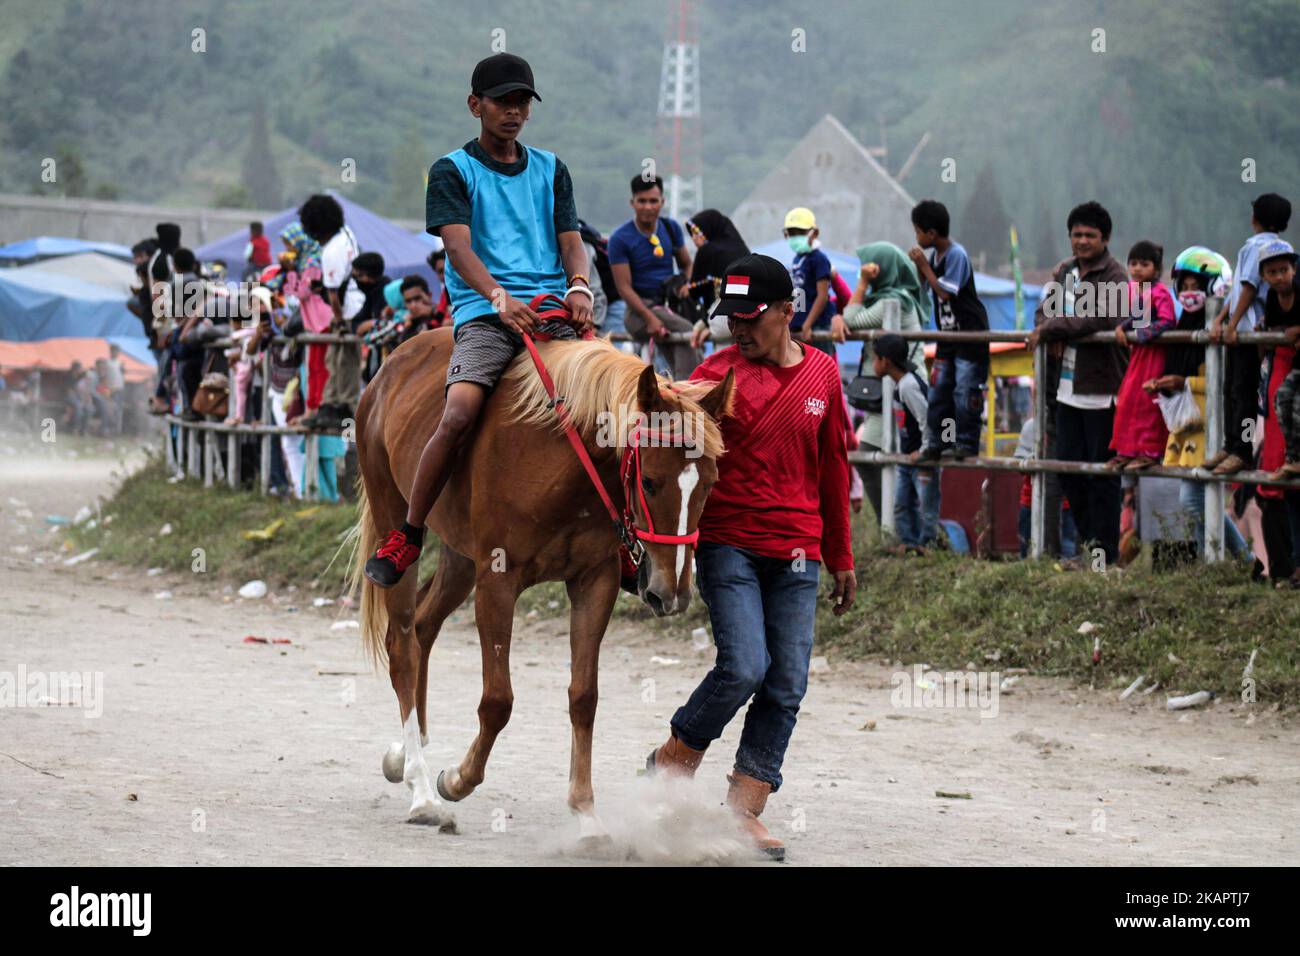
(1129, 404)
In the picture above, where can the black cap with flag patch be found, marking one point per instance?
(751, 284)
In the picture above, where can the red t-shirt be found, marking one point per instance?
(261, 251)
(784, 480)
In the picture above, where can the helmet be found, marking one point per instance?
(1211, 269)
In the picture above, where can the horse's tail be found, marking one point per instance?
(374, 614)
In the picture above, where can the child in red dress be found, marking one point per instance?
(1139, 436)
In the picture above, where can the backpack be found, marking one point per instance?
(601, 245)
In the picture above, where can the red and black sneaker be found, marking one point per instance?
(386, 567)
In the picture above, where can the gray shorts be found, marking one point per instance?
(485, 347)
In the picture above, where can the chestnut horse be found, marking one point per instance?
(519, 508)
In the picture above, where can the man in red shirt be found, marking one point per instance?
(780, 508)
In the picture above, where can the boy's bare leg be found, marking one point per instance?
(460, 413)
(401, 548)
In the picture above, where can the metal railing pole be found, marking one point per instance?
(264, 444)
(1038, 482)
(192, 464)
(209, 450)
(233, 445)
(889, 432)
(311, 480)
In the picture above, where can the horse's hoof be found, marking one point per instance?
(596, 844)
(443, 791)
(394, 763)
(429, 813)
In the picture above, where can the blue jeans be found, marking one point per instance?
(956, 395)
(1069, 546)
(1191, 495)
(762, 610)
(614, 317)
(916, 505)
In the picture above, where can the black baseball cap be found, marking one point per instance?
(894, 348)
(500, 74)
(750, 285)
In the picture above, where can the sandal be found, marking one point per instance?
(1140, 463)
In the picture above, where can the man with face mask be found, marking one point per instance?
(814, 308)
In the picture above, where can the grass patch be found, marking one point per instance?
(213, 519)
(944, 610)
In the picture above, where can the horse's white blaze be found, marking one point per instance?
(424, 799)
(686, 481)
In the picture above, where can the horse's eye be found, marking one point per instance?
(648, 485)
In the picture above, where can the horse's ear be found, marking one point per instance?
(647, 390)
(718, 401)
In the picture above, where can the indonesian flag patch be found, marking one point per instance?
(737, 285)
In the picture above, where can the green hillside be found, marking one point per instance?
(1157, 126)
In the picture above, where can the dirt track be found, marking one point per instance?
(211, 750)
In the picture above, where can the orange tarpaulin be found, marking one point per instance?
(59, 354)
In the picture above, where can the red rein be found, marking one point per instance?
(629, 468)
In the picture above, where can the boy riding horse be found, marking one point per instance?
(486, 200)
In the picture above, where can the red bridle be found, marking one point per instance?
(630, 470)
(629, 533)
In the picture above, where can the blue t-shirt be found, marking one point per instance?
(963, 312)
(1248, 271)
(628, 245)
(808, 269)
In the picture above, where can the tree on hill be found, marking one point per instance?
(259, 172)
(985, 226)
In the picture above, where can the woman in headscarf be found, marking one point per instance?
(717, 245)
(887, 275)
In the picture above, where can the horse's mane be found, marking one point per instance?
(594, 377)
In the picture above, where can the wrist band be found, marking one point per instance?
(578, 275)
(580, 289)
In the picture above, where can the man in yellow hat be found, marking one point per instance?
(813, 306)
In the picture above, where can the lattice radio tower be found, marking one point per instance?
(678, 127)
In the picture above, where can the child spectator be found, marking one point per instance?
(916, 493)
(257, 254)
(1280, 310)
(1139, 434)
(961, 370)
(247, 335)
(1277, 267)
(1197, 272)
(813, 306)
(1244, 311)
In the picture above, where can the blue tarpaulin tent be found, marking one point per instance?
(404, 253)
(43, 247)
(997, 294)
(37, 305)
